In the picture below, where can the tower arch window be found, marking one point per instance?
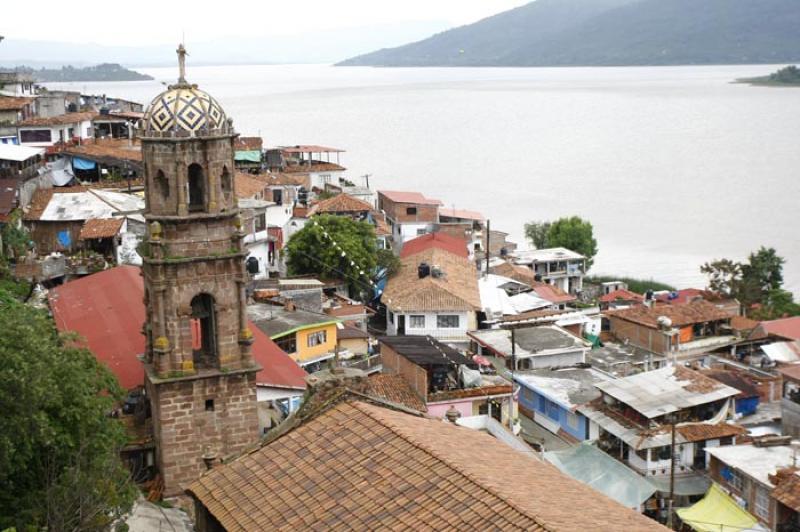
(196, 187)
(161, 184)
(227, 186)
(204, 332)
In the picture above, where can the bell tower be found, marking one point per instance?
(199, 370)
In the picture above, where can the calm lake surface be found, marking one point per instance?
(674, 166)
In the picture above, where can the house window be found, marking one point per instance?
(209, 405)
(552, 410)
(420, 232)
(736, 480)
(416, 321)
(391, 317)
(35, 135)
(411, 211)
(542, 404)
(287, 344)
(573, 421)
(317, 338)
(762, 503)
(447, 321)
(261, 222)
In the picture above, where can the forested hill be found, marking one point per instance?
(103, 72)
(612, 32)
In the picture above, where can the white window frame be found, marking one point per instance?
(737, 480)
(416, 317)
(316, 338)
(761, 503)
(440, 317)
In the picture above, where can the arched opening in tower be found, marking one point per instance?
(196, 187)
(227, 185)
(162, 185)
(204, 332)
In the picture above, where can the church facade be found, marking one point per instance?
(199, 369)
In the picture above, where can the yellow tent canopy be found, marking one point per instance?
(718, 512)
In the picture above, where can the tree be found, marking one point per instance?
(777, 304)
(725, 276)
(754, 281)
(574, 234)
(536, 233)
(59, 446)
(349, 252)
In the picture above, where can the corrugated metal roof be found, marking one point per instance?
(666, 390)
(12, 152)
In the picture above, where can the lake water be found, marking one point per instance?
(674, 166)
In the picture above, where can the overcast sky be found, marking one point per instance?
(148, 22)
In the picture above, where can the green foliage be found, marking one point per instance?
(389, 261)
(778, 303)
(59, 462)
(575, 234)
(754, 281)
(309, 251)
(536, 233)
(640, 286)
(16, 238)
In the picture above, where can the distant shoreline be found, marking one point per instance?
(765, 81)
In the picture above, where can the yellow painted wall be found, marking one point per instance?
(306, 353)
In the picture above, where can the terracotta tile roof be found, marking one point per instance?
(703, 431)
(790, 371)
(622, 294)
(247, 186)
(108, 149)
(408, 197)
(315, 167)
(520, 274)
(788, 328)
(456, 290)
(787, 492)
(100, 228)
(395, 389)
(740, 323)
(278, 178)
(309, 148)
(340, 203)
(680, 314)
(13, 103)
(381, 227)
(107, 310)
(248, 143)
(351, 332)
(441, 241)
(461, 213)
(364, 467)
(552, 293)
(58, 120)
(734, 379)
(41, 198)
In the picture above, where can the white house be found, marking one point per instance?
(557, 266)
(44, 132)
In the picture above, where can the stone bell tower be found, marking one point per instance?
(199, 371)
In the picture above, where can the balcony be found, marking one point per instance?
(369, 365)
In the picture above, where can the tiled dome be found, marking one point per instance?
(183, 108)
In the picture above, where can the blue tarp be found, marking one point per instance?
(64, 238)
(83, 164)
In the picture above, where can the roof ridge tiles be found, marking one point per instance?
(483, 484)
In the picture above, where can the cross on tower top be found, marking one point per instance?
(181, 63)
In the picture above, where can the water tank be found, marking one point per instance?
(423, 270)
(664, 322)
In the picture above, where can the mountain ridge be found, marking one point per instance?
(611, 33)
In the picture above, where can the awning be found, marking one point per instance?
(695, 484)
(718, 512)
(249, 156)
(593, 467)
(83, 164)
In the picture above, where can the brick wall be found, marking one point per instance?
(396, 364)
(398, 212)
(639, 335)
(185, 426)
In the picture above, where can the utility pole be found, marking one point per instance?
(671, 475)
(486, 251)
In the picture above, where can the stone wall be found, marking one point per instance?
(215, 415)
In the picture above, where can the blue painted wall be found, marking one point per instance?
(747, 405)
(531, 399)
